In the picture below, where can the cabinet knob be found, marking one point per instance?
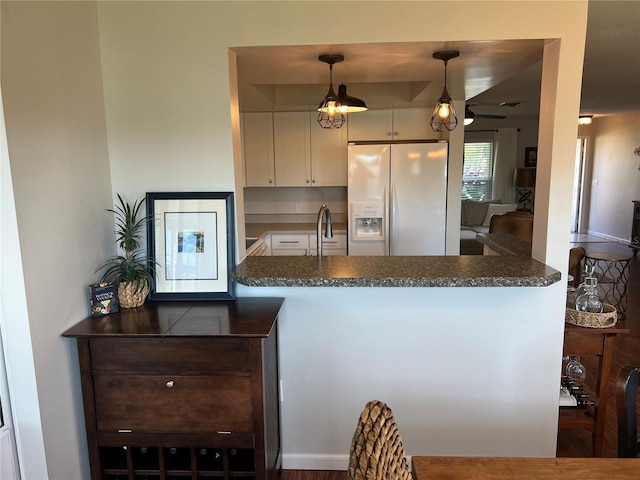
(270, 181)
(307, 180)
(170, 384)
(395, 134)
(388, 134)
(313, 181)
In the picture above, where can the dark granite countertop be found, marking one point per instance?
(427, 271)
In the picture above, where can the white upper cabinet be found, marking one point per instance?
(257, 133)
(292, 147)
(328, 154)
(391, 124)
(307, 155)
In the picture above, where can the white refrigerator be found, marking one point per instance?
(397, 198)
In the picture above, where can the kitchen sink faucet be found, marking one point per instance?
(328, 232)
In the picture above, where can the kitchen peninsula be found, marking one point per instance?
(464, 349)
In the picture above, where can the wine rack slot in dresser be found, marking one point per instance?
(176, 390)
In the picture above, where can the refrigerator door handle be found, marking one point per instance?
(392, 216)
(385, 223)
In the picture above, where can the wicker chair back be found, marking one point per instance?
(376, 448)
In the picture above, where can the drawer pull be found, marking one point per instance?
(170, 384)
(224, 433)
(124, 430)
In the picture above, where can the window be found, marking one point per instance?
(477, 170)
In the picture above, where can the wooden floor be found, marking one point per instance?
(627, 351)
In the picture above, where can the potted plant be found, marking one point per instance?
(133, 271)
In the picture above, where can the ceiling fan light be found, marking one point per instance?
(349, 104)
(585, 119)
(469, 116)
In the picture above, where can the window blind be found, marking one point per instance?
(477, 170)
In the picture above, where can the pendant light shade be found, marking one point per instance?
(349, 104)
(444, 115)
(469, 116)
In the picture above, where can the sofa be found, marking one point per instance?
(476, 218)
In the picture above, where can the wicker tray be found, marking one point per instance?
(607, 318)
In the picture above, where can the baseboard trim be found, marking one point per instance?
(609, 238)
(304, 461)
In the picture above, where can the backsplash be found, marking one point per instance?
(293, 205)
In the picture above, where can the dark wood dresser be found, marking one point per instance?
(177, 390)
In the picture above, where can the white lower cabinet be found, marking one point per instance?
(336, 245)
(286, 244)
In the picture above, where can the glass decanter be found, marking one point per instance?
(589, 300)
(575, 370)
(588, 272)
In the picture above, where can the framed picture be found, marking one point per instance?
(190, 237)
(531, 156)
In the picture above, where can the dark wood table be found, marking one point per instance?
(518, 468)
(598, 342)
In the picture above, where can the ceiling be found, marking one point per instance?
(485, 74)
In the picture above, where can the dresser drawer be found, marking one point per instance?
(170, 355)
(151, 403)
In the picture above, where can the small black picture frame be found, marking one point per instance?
(190, 236)
(531, 157)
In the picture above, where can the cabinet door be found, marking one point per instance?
(292, 150)
(328, 155)
(176, 404)
(337, 245)
(257, 133)
(371, 125)
(413, 124)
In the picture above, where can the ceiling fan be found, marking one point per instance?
(470, 114)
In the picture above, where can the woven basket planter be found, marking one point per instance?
(129, 296)
(607, 318)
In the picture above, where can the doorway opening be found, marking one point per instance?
(578, 186)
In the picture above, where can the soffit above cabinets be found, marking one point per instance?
(384, 75)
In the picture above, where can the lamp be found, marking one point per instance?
(469, 116)
(585, 119)
(444, 115)
(524, 179)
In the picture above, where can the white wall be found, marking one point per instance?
(167, 96)
(460, 381)
(53, 104)
(615, 174)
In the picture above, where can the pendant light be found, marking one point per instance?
(330, 116)
(469, 116)
(444, 115)
(334, 107)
